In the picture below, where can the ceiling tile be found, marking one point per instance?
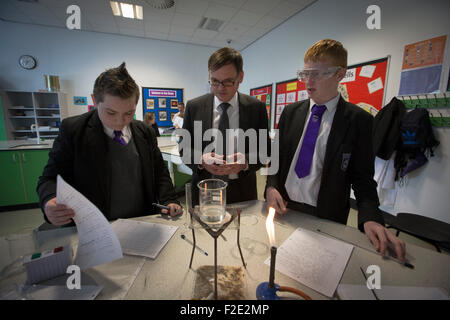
(157, 27)
(268, 22)
(181, 31)
(187, 20)
(246, 18)
(204, 34)
(129, 23)
(179, 38)
(217, 11)
(260, 6)
(235, 29)
(283, 10)
(231, 3)
(131, 32)
(195, 7)
(203, 42)
(156, 35)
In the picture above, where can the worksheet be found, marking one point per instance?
(313, 260)
(97, 242)
(142, 238)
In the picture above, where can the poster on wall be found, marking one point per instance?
(287, 92)
(422, 66)
(161, 101)
(264, 94)
(364, 84)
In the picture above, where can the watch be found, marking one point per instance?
(27, 62)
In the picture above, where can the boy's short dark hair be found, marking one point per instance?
(116, 82)
(225, 56)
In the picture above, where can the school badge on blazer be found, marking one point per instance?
(345, 161)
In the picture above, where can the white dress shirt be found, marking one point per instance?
(233, 116)
(306, 189)
(126, 133)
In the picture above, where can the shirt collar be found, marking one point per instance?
(234, 103)
(331, 104)
(126, 132)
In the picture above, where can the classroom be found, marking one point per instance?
(75, 72)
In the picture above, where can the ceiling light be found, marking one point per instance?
(161, 4)
(127, 10)
(115, 8)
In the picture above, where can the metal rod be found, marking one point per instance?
(238, 240)
(215, 269)
(273, 254)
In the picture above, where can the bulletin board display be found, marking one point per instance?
(287, 92)
(364, 84)
(264, 94)
(162, 102)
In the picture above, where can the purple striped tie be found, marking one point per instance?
(118, 137)
(303, 166)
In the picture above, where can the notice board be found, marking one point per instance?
(162, 102)
(288, 92)
(364, 85)
(264, 94)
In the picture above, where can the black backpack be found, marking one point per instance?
(417, 139)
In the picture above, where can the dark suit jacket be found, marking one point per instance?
(386, 129)
(351, 133)
(80, 156)
(252, 114)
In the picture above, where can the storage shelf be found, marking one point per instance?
(24, 108)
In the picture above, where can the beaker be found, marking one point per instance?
(212, 200)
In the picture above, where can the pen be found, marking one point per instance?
(189, 241)
(405, 263)
(373, 291)
(163, 207)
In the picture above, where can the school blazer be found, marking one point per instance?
(252, 114)
(348, 163)
(80, 156)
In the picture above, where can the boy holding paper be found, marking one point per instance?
(111, 159)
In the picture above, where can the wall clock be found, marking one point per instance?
(27, 62)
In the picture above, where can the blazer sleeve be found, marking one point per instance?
(60, 162)
(363, 184)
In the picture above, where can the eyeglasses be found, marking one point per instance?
(226, 83)
(315, 74)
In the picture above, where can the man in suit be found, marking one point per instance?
(113, 160)
(223, 109)
(326, 148)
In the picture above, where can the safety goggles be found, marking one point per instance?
(316, 74)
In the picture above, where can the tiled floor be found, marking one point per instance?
(23, 221)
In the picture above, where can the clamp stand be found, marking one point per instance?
(215, 232)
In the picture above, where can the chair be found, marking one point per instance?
(426, 229)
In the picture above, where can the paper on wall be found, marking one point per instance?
(375, 85)
(97, 242)
(367, 71)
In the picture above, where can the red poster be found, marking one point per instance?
(263, 94)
